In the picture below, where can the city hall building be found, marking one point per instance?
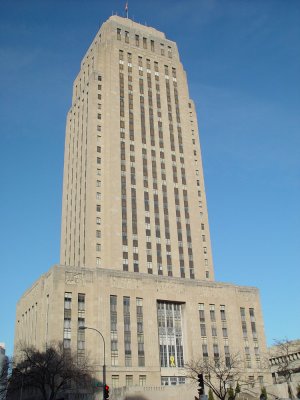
(136, 261)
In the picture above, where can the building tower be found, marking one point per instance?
(136, 260)
(133, 194)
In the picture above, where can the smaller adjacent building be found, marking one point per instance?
(3, 369)
(2, 355)
(284, 360)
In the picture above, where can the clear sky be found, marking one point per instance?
(242, 58)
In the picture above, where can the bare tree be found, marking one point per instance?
(222, 376)
(48, 372)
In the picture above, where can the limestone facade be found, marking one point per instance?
(136, 259)
(43, 310)
(284, 360)
(133, 192)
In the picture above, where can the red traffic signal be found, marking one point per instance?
(106, 392)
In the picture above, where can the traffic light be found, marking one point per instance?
(201, 384)
(106, 392)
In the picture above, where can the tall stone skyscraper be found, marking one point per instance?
(136, 260)
(134, 197)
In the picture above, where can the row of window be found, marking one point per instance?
(248, 360)
(129, 381)
(213, 327)
(172, 380)
(27, 324)
(98, 176)
(127, 331)
(198, 190)
(143, 42)
(80, 323)
(124, 185)
(170, 333)
(142, 380)
(132, 170)
(216, 350)
(154, 172)
(76, 193)
(147, 64)
(244, 323)
(86, 70)
(154, 177)
(175, 180)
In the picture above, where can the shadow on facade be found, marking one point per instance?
(135, 397)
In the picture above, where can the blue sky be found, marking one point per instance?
(243, 61)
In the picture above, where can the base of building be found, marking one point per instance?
(152, 325)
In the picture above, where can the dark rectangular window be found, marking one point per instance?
(113, 331)
(127, 331)
(140, 332)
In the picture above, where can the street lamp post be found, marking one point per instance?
(104, 366)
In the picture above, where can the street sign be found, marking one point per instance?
(98, 385)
